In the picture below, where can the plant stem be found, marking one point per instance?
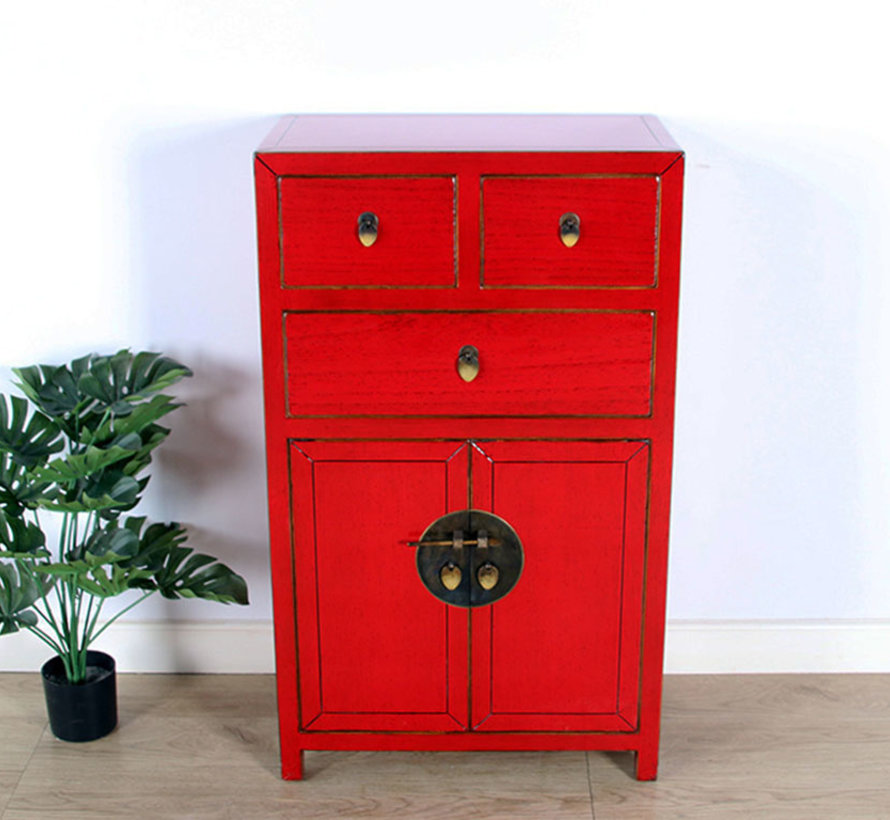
(63, 609)
(48, 640)
(85, 638)
(48, 617)
(92, 524)
(63, 536)
(86, 622)
(101, 424)
(71, 635)
(78, 409)
(73, 540)
(61, 585)
(88, 630)
(113, 618)
(24, 567)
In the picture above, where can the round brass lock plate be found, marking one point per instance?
(469, 558)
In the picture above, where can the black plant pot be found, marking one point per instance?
(81, 711)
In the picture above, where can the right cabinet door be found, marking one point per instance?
(561, 652)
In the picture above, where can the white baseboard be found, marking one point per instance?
(160, 646)
(693, 647)
(733, 647)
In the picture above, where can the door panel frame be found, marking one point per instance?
(304, 458)
(635, 456)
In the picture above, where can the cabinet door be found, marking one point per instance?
(376, 651)
(561, 651)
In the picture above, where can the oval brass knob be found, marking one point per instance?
(367, 228)
(569, 229)
(468, 363)
(487, 575)
(450, 576)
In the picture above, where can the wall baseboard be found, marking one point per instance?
(734, 647)
(693, 647)
(162, 646)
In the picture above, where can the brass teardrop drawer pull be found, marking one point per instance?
(468, 363)
(368, 225)
(487, 575)
(569, 229)
(450, 576)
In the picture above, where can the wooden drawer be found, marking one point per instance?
(415, 245)
(618, 231)
(532, 363)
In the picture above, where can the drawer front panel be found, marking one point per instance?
(415, 239)
(531, 363)
(616, 245)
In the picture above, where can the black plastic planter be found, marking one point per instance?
(81, 711)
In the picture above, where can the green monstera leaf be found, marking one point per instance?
(99, 575)
(83, 397)
(87, 464)
(110, 540)
(140, 422)
(19, 490)
(18, 592)
(180, 572)
(28, 441)
(100, 566)
(122, 380)
(111, 491)
(20, 538)
(54, 388)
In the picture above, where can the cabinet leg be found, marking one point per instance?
(647, 763)
(292, 765)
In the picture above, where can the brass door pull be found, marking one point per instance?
(367, 228)
(569, 229)
(468, 363)
(450, 576)
(487, 575)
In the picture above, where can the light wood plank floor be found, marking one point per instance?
(188, 746)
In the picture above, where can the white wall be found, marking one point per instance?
(126, 219)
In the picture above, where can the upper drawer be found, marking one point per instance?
(414, 244)
(531, 363)
(616, 243)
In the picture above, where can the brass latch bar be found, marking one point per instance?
(483, 542)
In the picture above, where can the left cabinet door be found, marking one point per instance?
(376, 651)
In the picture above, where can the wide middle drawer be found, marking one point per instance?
(531, 363)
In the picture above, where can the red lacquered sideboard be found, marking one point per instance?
(469, 341)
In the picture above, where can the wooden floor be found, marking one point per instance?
(755, 746)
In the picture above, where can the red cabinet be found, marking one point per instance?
(469, 347)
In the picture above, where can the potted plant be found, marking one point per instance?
(73, 455)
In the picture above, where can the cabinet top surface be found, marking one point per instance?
(322, 133)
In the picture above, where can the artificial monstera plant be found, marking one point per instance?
(76, 449)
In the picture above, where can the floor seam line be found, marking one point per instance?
(18, 782)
